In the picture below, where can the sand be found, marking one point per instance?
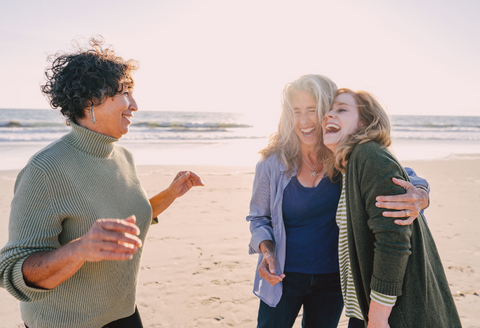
(196, 271)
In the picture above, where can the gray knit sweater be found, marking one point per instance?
(61, 192)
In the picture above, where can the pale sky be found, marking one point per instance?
(419, 57)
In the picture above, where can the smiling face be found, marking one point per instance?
(341, 121)
(305, 118)
(113, 117)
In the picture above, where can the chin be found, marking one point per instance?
(331, 146)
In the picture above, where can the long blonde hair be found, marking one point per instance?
(375, 126)
(285, 142)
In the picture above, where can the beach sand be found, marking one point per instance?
(196, 270)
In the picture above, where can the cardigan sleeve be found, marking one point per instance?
(33, 227)
(374, 168)
(260, 216)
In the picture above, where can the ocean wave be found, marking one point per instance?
(436, 126)
(19, 124)
(186, 125)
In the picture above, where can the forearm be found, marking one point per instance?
(267, 246)
(161, 201)
(378, 315)
(48, 270)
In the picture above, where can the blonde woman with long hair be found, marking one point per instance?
(391, 274)
(292, 213)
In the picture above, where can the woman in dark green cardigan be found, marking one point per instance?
(392, 275)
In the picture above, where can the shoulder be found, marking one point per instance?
(47, 157)
(270, 169)
(269, 163)
(372, 159)
(124, 152)
(371, 152)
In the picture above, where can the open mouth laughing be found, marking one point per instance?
(308, 132)
(332, 128)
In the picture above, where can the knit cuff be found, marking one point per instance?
(387, 288)
(23, 292)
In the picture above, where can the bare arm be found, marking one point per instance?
(107, 239)
(182, 183)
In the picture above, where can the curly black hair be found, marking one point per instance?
(76, 81)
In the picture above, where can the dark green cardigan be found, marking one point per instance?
(389, 258)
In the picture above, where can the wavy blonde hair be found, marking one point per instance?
(374, 126)
(285, 142)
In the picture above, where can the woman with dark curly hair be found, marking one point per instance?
(79, 215)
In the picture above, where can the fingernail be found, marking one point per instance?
(377, 204)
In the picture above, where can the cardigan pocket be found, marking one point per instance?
(396, 319)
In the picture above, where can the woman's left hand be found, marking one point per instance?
(409, 204)
(183, 182)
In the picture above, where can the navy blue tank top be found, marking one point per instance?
(311, 230)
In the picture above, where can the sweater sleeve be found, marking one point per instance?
(415, 179)
(260, 216)
(33, 227)
(375, 168)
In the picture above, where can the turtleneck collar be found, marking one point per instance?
(91, 142)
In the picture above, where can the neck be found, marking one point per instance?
(86, 123)
(308, 154)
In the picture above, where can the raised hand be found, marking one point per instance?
(110, 239)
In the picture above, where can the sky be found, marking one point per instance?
(420, 57)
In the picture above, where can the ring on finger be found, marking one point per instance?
(407, 213)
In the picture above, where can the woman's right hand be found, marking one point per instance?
(107, 239)
(267, 267)
(110, 239)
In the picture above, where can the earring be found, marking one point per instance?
(92, 115)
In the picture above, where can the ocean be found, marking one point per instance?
(187, 138)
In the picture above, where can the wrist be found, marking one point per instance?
(379, 313)
(266, 246)
(424, 191)
(76, 251)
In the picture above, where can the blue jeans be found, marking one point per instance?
(320, 295)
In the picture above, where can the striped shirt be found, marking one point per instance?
(352, 308)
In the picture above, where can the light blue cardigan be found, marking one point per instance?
(266, 219)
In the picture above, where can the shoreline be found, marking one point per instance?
(196, 270)
(234, 152)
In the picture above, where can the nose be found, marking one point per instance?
(304, 118)
(133, 104)
(330, 114)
